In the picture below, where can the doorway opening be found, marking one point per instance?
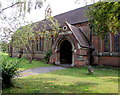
(66, 52)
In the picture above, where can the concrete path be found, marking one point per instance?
(39, 70)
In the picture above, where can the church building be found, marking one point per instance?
(73, 43)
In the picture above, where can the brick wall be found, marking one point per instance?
(109, 61)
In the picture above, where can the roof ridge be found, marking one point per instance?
(73, 10)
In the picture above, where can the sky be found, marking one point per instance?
(58, 7)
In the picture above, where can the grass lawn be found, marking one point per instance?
(24, 63)
(70, 80)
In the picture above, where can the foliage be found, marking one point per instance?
(24, 63)
(105, 17)
(3, 46)
(25, 37)
(42, 28)
(8, 71)
(13, 15)
(22, 37)
(9, 67)
(47, 55)
(54, 25)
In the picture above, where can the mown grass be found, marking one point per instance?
(24, 63)
(69, 80)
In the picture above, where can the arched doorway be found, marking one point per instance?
(66, 52)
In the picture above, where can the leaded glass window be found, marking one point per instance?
(107, 43)
(117, 43)
(37, 45)
(41, 44)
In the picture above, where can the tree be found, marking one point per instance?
(23, 5)
(105, 17)
(25, 37)
(16, 21)
(13, 15)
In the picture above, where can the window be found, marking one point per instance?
(117, 43)
(106, 43)
(41, 44)
(37, 45)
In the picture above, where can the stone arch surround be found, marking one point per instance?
(57, 49)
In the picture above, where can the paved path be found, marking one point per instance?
(39, 70)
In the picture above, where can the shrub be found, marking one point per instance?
(47, 55)
(8, 70)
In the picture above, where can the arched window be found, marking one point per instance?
(107, 43)
(117, 43)
(37, 45)
(41, 44)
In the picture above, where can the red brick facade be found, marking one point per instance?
(76, 38)
(80, 55)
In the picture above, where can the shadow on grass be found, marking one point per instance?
(41, 85)
(59, 83)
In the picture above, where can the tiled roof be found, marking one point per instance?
(82, 39)
(86, 30)
(72, 17)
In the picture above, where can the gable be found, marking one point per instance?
(83, 41)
